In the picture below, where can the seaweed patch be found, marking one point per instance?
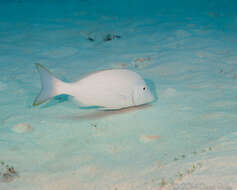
(183, 156)
(109, 37)
(92, 36)
(171, 182)
(7, 173)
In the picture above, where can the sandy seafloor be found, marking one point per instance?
(187, 51)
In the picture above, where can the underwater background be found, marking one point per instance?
(186, 139)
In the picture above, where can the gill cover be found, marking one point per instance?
(142, 95)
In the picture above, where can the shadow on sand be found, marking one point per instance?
(97, 114)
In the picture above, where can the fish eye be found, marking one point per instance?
(144, 88)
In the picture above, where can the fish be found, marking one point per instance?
(107, 89)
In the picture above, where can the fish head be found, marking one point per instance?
(142, 95)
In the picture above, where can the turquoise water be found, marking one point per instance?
(186, 139)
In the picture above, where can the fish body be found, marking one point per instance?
(110, 89)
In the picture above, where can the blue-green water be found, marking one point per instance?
(186, 139)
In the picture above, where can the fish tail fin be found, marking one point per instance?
(50, 85)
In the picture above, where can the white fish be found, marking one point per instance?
(110, 89)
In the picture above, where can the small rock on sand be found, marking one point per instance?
(141, 63)
(149, 138)
(22, 128)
